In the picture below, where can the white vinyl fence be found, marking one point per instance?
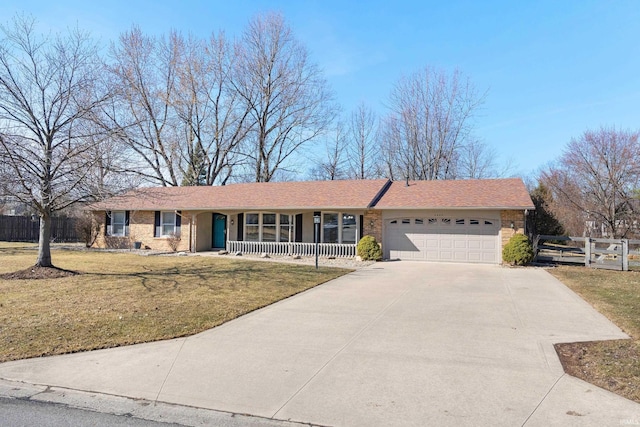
(325, 250)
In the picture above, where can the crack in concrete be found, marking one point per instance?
(164, 381)
(542, 400)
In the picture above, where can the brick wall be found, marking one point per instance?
(373, 224)
(507, 217)
(141, 229)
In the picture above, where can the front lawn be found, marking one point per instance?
(613, 365)
(122, 298)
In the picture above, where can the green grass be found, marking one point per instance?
(122, 298)
(613, 365)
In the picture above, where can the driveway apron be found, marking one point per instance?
(397, 343)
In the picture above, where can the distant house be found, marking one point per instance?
(454, 221)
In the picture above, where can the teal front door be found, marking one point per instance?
(219, 231)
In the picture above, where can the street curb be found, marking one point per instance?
(136, 408)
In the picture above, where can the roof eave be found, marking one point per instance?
(493, 208)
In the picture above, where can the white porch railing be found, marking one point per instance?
(294, 248)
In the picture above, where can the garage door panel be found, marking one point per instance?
(489, 244)
(469, 239)
(460, 244)
(475, 244)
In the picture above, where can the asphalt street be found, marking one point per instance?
(28, 413)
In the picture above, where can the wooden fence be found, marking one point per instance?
(24, 229)
(612, 254)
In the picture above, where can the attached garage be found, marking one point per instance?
(443, 237)
(466, 221)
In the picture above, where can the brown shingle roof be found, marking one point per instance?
(352, 194)
(330, 195)
(456, 194)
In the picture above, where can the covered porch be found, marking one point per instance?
(285, 233)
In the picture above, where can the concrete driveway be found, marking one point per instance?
(397, 343)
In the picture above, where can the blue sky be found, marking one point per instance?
(551, 69)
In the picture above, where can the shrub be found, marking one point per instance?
(369, 249)
(173, 241)
(86, 229)
(518, 251)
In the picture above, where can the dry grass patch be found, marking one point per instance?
(124, 299)
(613, 365)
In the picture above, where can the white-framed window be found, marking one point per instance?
(252, 227)
(268, 227)
(330, 227)
(167, 224)
(339, 227)
(118, 224)
(349, 228)
(286, 228)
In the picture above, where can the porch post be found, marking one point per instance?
(194, 231)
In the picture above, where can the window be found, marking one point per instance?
(252, 227)
(419, 221)
(474, 222)
(446, 221)
(395, 221)
(433, 221)
(348, 228)
(406, 221)
(488, 222)
(269, 227)
(117, 223)
(459, 221)
(168, 223)
(286, 228)
(330, 228)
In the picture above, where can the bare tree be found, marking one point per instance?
(595, 180)
(332, 166)
(48, 94)
(143, 73)
(287, 95)
(476, 161)
(430, 122)
(363, 150)
(213, 120)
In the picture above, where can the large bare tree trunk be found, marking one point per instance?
(44, 245)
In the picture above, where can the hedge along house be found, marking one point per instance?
(456, 221)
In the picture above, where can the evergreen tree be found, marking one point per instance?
(196, 173)
(544, 221)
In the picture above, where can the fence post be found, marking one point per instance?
(625, 254)
(587, 251)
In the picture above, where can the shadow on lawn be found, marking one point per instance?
(212, 277)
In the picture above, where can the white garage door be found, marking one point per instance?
(448, 239)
